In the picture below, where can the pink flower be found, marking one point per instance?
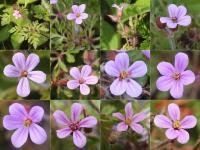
(23, 69)
(175, 77)
(177, 16)
(78, 14)
(174, 125)
(119, 68)
(74, 125)
(17, 14)
(130, 120)
(147, 53)
(25, 124)
(53, 1)
(81, 79)
(120, 7)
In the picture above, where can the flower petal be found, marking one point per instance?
(171, 24)
(81, 8)
(147, 53)
(165, 68)
(19, 137)
(164, 83)
(84, 89)
(174, 111)
(133, 89)
(17, 109)
(86, 71)
(84, 16)
(23, 88)
(129, 110)
(37, 76)
(78, 20)
(162, 121)
(118, 87)
(76, 110)
(187, 77)
(139, 117)
(122, 127)
(184, 21)
(122, 61)
(11, 71)
(75, 8)
(71, 16)
(171, 133)
(183, 136)
(88, 122)
(188, 122)
(137, 69)
(172, 9)
(79, 139)
(119, 116)
(32, 61)
(181, 11)
(165, 19)
(61, 118)
(75, 73)
(37, 134)
(177, 89)
(181, 61)
(116, 6)
(11, 122)
(63, 133)
(73, 84)
(137, 128)
(19, 60)
(91, 80)
(111, 69)
(36, 113)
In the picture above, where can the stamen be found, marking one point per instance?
(128, 121)
(177, 76)
(78, 15)
(28, 122)
(24, 74)
(176, 125)
(81, 81)
(174, 19)
(74, 126)
(123, 75)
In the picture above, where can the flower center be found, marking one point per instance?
(176, 125)
(74, 126)
(177, 76)
(174, 19)
(128, 121)
(28, 122)
(81, 81)
(24, 74)
(78, 15)
(123, 75)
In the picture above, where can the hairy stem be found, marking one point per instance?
(122, 26)
(171, 39)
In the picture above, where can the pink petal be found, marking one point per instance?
(19, 60)
(11, 71)
(37, 76)
(61, 118)
(79, 139)
(84, 16)
(75, 9)
(63, 133)
(181, 11)
(181, 61)
(183, 136)
(88, 122)
(164, 83)
(23, 88)
(12, 122)
(174, 111)
(76, 110)
(73, 84)
(129, 110)
(133, 89)
(86, 71)
(118, 87)
(78, 20)
(187, 77)
(37, 134)
(188, 122)
(91, 80)
(75, 73)
(184, 21)
(36, 113)
(139, 117)
(172, 9)
(116, 6)
(122, 61)
(162, 121)
(137, 128)
(82, 8)
(19, 137)
(137, 69)
(177, 89)
(165, 68)
(147, 53)
(119, 116)
(17, 109)
(165, 19)
(171, 24)
(32, 61)
(111, 69)
(122, 127)
(71, 16)
(84, 89)
(171, 133)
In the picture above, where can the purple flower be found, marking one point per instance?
(53, 1)
(130, 120)
(81, 79)
(74, 125)
(78, 14)
(177, 16)
(147, 53)
(176, 127)
(175, 77)
(120, 7)
(17, 14)
(25, 124)
(119, 68)
(23, 69)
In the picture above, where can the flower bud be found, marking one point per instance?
(159, 23)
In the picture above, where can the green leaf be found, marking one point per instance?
(62, 65)
(4, 32)
(70, 58)
(25, 2)
(16, 40)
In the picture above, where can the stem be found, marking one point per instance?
(162, 144)
(124, 31)
(5, 3)
(171, 39)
